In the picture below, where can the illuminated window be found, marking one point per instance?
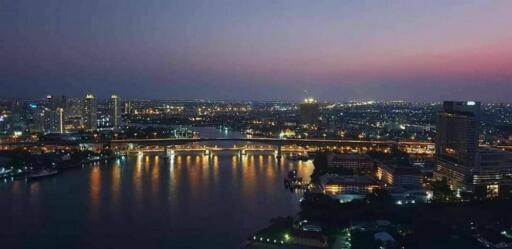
(492, 191)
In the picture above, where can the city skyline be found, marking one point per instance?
(267, 124)
(265, 50)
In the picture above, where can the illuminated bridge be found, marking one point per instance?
(272, 141)
(413, 147)
(409, 146)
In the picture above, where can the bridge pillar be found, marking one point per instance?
(168, 152)
(279, 152)
(207, 152)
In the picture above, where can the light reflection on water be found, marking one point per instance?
(187, 201)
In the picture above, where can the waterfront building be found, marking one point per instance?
(458, 127)
(336, 185)
(309, 111)
(457, 142)
(115, 111)
(360, 164)
(460, 160)
(89, 114)
(493, 176)
(398, 175)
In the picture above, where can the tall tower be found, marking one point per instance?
(60, 120)
(89, 114)
(73, 113)
(127, 107)
(458, 126)
(53, 114)
(48, 120)
(115, 111)
(309, 111)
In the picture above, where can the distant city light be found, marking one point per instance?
(310, 100)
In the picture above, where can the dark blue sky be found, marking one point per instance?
(257, 50)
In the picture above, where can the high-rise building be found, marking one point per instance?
(127, 107)
(494, 164)
(60, 120)
(54, 102)
(460, 159)
(53, 114)
(74, 108)
(115, 111)
(89, 114)
(309, 111)
(73, 114)
(47, 121)
(458, 127)
(457, 142)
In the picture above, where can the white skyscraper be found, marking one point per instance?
(115, 111)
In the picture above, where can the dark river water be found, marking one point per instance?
(189, 201)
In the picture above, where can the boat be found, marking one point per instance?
(293, 181)
(42, 173)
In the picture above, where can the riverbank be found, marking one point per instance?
(21, 164)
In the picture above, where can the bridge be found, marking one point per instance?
(419, 147)
(209, 150)
(409, 146)
(272, 141)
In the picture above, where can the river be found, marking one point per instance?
(188, 201)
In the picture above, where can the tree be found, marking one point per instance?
(442, 190)
(380, 197)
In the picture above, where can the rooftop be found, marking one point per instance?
(402, 169)
(348, 180)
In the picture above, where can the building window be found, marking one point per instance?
(492, 191)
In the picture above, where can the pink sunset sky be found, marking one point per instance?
(259, 50)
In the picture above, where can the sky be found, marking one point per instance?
(258, 50)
